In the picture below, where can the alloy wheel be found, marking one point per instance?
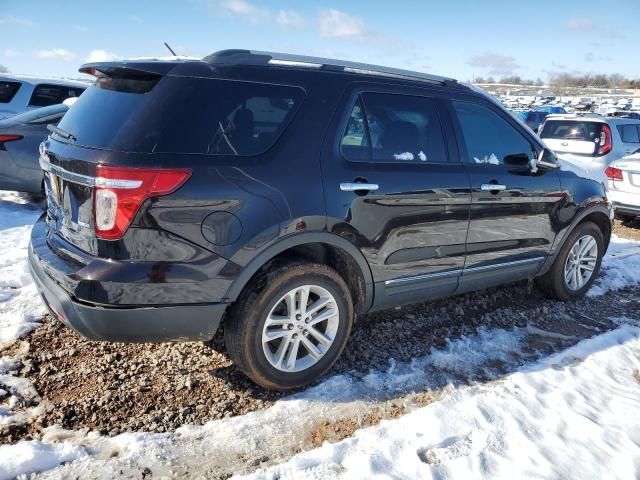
(581, 262)
(300, 328)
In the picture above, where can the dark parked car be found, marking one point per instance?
(20, 137)
(284, 195)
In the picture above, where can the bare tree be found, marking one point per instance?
(3, 69)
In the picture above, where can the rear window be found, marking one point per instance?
(45, 95)
(570, 130)
(184, 115)
(8, 90)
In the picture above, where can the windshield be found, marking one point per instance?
(571, 130)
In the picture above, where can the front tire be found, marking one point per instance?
(290, 325)
(576, 266)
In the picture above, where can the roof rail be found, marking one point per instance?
(258, 58)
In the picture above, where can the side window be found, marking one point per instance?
(8, 91)
(394, 128)
(489, 138)
(355, 141)
(45, 95)
(629, 133)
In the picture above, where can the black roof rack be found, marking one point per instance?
(258, 58)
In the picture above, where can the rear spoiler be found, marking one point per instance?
(142, 68)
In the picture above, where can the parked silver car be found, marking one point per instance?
(20, 137)
(21, 93)
(591, 139)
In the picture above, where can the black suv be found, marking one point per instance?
(282, 196)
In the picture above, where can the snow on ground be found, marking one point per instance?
(20, 304)
(583, 400)
(573, 415)
(620, 266)
(287, 421)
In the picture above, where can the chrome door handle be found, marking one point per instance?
(354, 187)
(492, 187)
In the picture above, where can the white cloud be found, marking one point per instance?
(57, 53)
(101, 56)
(336, 24)
(246, 9)
(18, 21)
(581, 23)
(290, 18)
(495, 63)
(10, 52)
(592, 57)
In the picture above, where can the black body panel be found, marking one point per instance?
(428, 230)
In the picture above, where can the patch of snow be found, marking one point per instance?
(35, 456)
(288, 421)
(620, 266)
(20, 304)
(584, 400)
(422, 156)
(491, 159)
(403, 156)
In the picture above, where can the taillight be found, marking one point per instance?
(613, 173)
(4, 138)
(605, 140)
(119, 193)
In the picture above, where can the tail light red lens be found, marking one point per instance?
(119, 192)
(605, 140)
(4, 138)
(613, 173)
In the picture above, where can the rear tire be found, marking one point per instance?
(275, 335)
(576, 266)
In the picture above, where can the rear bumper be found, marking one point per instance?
(625, 202)
(191, 322)
(626, 209)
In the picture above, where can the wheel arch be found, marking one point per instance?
(600, 215)
(321, 247)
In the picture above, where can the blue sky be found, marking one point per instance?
(463, 39)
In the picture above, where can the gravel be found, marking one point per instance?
(115, 387)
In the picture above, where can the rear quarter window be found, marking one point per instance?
(45, 95)
(629, 133)
(8, 90)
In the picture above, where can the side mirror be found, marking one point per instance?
(547, 159)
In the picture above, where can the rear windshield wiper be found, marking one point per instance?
(58, 131)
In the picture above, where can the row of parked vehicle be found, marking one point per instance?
(27, 106)
(281, 196)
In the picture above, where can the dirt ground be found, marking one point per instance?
(114, 388)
